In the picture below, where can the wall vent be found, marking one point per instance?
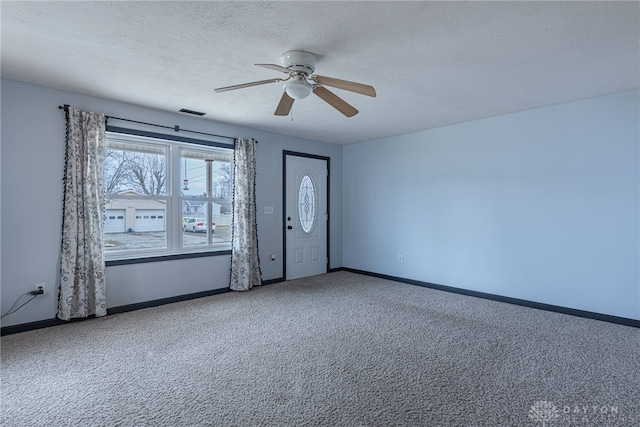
(195, 113)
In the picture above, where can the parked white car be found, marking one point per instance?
(198, 224)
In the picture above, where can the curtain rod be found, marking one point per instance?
(176, 128)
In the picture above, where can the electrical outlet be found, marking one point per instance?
(39, 286)
(400, 258)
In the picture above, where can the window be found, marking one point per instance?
(306, 204)
(161, 194)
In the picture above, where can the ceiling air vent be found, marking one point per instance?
(195, 113)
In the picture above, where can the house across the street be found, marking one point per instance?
(144, 214)
(128, 215)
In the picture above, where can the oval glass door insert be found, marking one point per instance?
(306, 204)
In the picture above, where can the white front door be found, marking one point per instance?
(306, 216)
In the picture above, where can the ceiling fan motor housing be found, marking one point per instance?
(299, 61)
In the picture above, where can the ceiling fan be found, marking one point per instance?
(300, 66)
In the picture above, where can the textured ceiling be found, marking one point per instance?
(432, 63)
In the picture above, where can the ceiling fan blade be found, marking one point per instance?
(335, 101)
(274, 67)
(234, 87)
(284, 106)
(346, 85)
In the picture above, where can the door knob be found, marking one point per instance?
(289, 227)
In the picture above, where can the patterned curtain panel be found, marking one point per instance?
(82, 268)
(245, 264)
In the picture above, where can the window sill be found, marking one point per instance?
(127, 261)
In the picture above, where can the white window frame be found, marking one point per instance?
(173, 198)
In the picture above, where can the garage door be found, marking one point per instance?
(114, 221)
(149, 220)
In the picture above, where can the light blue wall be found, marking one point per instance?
(541, 205)
(33, 133)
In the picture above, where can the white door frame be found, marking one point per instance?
(286, 153)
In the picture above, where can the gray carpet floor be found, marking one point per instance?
(340, 349)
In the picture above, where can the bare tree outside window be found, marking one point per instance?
(224, 181)
(148, 173)
(115, 170)
(143, 173)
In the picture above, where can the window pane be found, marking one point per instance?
(306, 204)
(135, 169)
(134, 224)
(206, 190)
(195, 234)
(196, 167)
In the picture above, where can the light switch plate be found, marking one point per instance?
(269, 210)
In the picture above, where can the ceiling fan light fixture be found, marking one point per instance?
(298, 88)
